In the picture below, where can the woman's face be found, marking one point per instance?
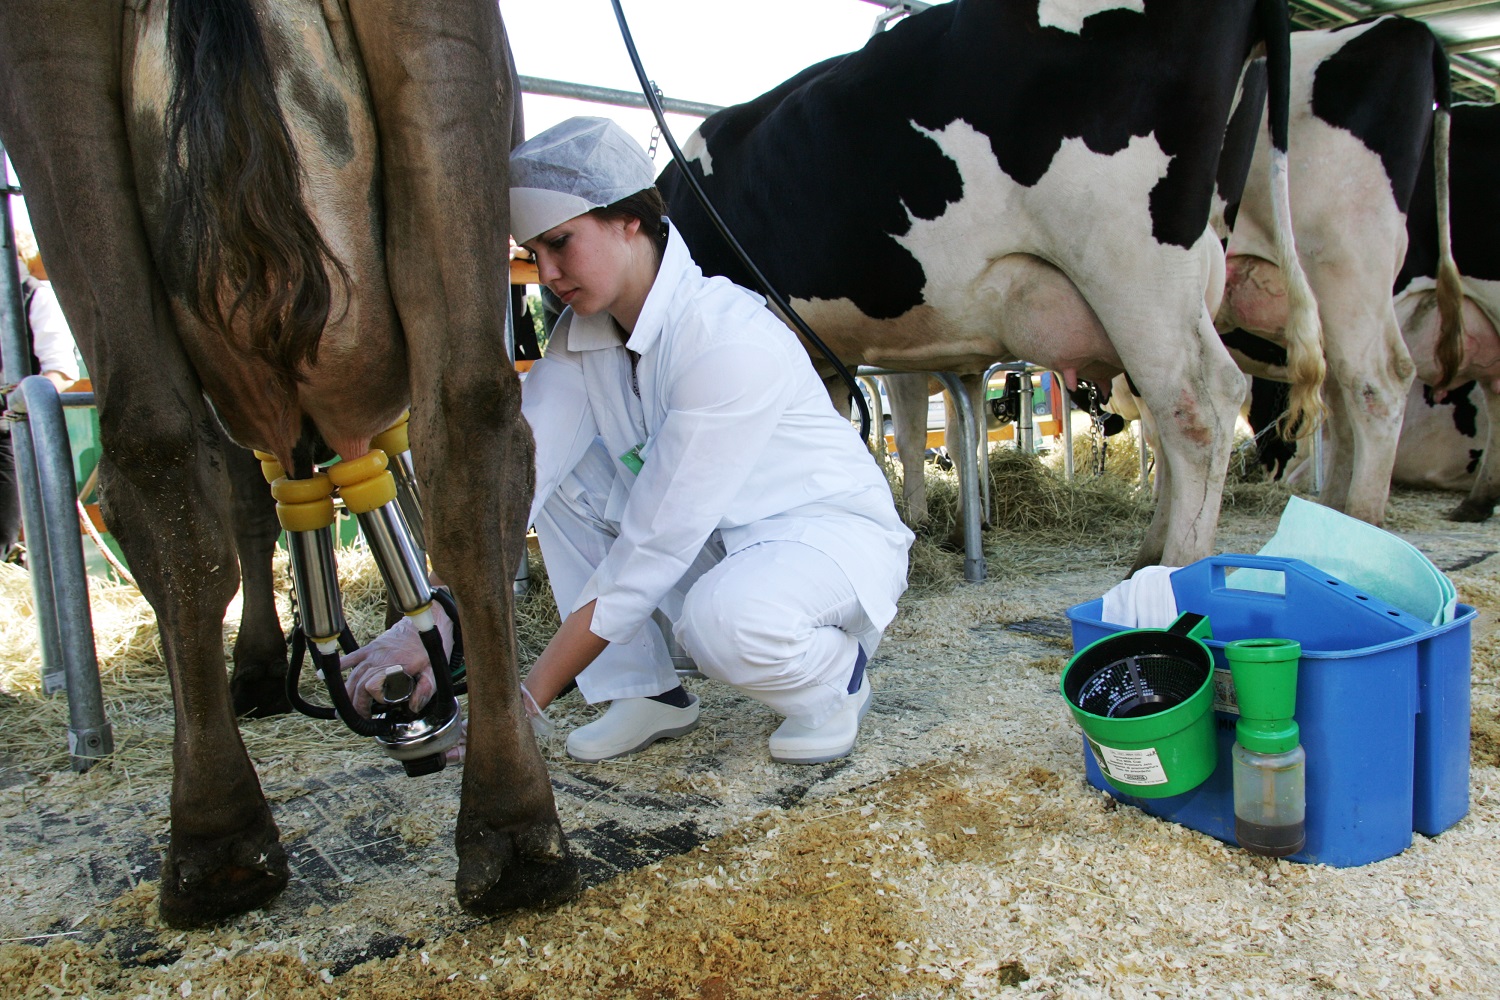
(588, 262)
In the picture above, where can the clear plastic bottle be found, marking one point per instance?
(1270, 800)
(1270, 766)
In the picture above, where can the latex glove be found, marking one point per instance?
(541, 726)
(398, 649)
(455, 754)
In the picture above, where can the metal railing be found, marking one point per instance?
(968, 463)
(49, 515)
(54, 555)
(972, 460)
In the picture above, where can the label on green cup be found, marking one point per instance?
(1224, 698)
(1130, 767)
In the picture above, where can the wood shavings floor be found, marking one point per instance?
(957, 853)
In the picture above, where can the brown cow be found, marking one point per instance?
(302, 301)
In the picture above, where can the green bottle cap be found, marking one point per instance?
(1267, 735)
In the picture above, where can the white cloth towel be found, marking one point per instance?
(1143, 601)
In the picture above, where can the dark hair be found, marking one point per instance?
(649, 207)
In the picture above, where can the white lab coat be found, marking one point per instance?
(738, 440)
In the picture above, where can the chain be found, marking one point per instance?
(655, 129)
(291, 592)
(1099, 441)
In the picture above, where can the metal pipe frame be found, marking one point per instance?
(1067, 425)
(968, 459)
(49, 514)
(1026, 418)
(44, 463)
(877, 414)
(1143, 451)
(605, 95)
(975, 570)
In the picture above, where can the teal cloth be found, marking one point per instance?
(1377, 562)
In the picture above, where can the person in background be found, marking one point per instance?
(54, 355)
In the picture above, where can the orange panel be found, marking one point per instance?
(94, 515)
(523, 272)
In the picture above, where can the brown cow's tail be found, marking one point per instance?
(234, 181)
(1450, 292)
(1304, 330)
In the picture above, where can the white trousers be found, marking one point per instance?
(778, 621)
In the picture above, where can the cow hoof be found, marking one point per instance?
(958, 540)
(258, 698)
(257, 687)
(210, 881)
(501, 870)
(1471, 512)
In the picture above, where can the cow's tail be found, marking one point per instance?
(235, 190)
(1450, 292)
(1304, 331)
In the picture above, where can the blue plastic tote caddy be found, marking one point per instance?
(1382, 700)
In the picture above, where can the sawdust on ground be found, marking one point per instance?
(960, 854)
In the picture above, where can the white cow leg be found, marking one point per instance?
(1338, 458)
(1369, 373)
(907, 395)
(1150, 439)
(974, 387)
(1195, 396)
(1161, 519)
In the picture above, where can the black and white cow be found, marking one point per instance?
(1443, 437)
(1474, 165)
(1361, 116)
(1004, 179)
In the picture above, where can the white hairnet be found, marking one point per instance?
(572, 168)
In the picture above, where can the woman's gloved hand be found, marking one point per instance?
(541, 725)
(397, 650)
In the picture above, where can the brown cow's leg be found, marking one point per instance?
(445, 131)
(161, 473)
(163, 490)
(257, 688)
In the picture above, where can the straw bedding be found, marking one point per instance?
(958, 852)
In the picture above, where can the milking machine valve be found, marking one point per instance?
(419, 738)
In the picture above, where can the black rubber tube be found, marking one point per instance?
(729, 238)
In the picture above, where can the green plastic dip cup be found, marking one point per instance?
(1144, 698)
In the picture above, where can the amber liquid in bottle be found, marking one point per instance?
(1270, 841)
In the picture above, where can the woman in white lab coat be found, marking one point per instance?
(689, 460)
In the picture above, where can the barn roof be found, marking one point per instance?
(1469, 30)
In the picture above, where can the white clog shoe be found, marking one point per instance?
(793, 743)
(629, 725)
